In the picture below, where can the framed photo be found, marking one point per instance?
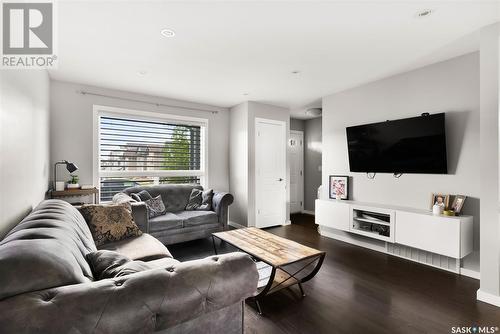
(441, 200)
(458, 203)
(339, 186)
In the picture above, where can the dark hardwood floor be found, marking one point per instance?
(361, 291)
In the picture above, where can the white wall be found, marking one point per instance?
(490, 224)
(238, 163)
(24, 143)
(72, 127)
(312, 161)
(452, 87)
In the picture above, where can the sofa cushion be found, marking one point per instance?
(144, 247)
(166, 262)
(195, 218)
(109, 223)
(165, 222)
(109, 264)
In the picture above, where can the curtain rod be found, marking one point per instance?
(83, 92)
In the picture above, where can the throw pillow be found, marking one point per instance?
(207, 197)
(109, 264)
(195, 199)
(141, 196)
(109, 223)
(155, 207)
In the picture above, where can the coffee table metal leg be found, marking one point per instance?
(213, 243)
(301, 289)
(259, 309)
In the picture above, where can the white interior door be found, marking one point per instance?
(270, 172)
(296, 149)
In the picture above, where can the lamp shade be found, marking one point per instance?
(71, 167)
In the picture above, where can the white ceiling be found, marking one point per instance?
(225, 49)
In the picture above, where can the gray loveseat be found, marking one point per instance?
(179, 225)
(47, 286)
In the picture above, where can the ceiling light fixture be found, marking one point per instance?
(167, 33)
(424, 13)
(142, 72)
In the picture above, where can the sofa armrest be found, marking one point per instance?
(139, 303)
(140, 215)
(220, 204)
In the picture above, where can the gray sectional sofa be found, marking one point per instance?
(47, 286)
(178, 225)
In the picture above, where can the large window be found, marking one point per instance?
(148, 149)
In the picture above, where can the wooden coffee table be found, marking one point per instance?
(281, 262)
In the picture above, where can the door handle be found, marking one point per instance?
(280, 179)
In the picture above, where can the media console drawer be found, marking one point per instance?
(449, 236)
(334, 214)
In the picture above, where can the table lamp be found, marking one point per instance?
(71, 167)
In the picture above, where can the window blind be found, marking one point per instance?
(145, 145)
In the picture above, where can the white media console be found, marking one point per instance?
(418, 235)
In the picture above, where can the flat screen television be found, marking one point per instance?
(410, 145)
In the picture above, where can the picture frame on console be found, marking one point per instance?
(440, 199)
(339, 187)
(458, 203)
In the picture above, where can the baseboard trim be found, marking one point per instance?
(470, 273)
(308, 212)
(236, 225)
(488, 298)
(288, 222)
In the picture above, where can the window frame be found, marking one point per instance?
(107, 111)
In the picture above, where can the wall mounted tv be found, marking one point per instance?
(410, 145)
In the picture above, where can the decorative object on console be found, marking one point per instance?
(73, 183)
(443, 201)
(339, 187)
(458, 203)
(71, 167)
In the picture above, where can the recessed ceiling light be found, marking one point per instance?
(424, 13)
(142, 72)
(167, 33)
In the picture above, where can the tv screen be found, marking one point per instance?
(410, 145)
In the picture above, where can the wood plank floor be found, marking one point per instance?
(361, 291)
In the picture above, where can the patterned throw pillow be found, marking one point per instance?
(206, 204)
(200, 200)
(141, 196)
(109, 223)
(195, 199)
(155, 207)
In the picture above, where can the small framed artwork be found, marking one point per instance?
(339, 187)
(441, 200)
(458, 203)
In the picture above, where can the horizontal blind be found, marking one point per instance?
(145, 145)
